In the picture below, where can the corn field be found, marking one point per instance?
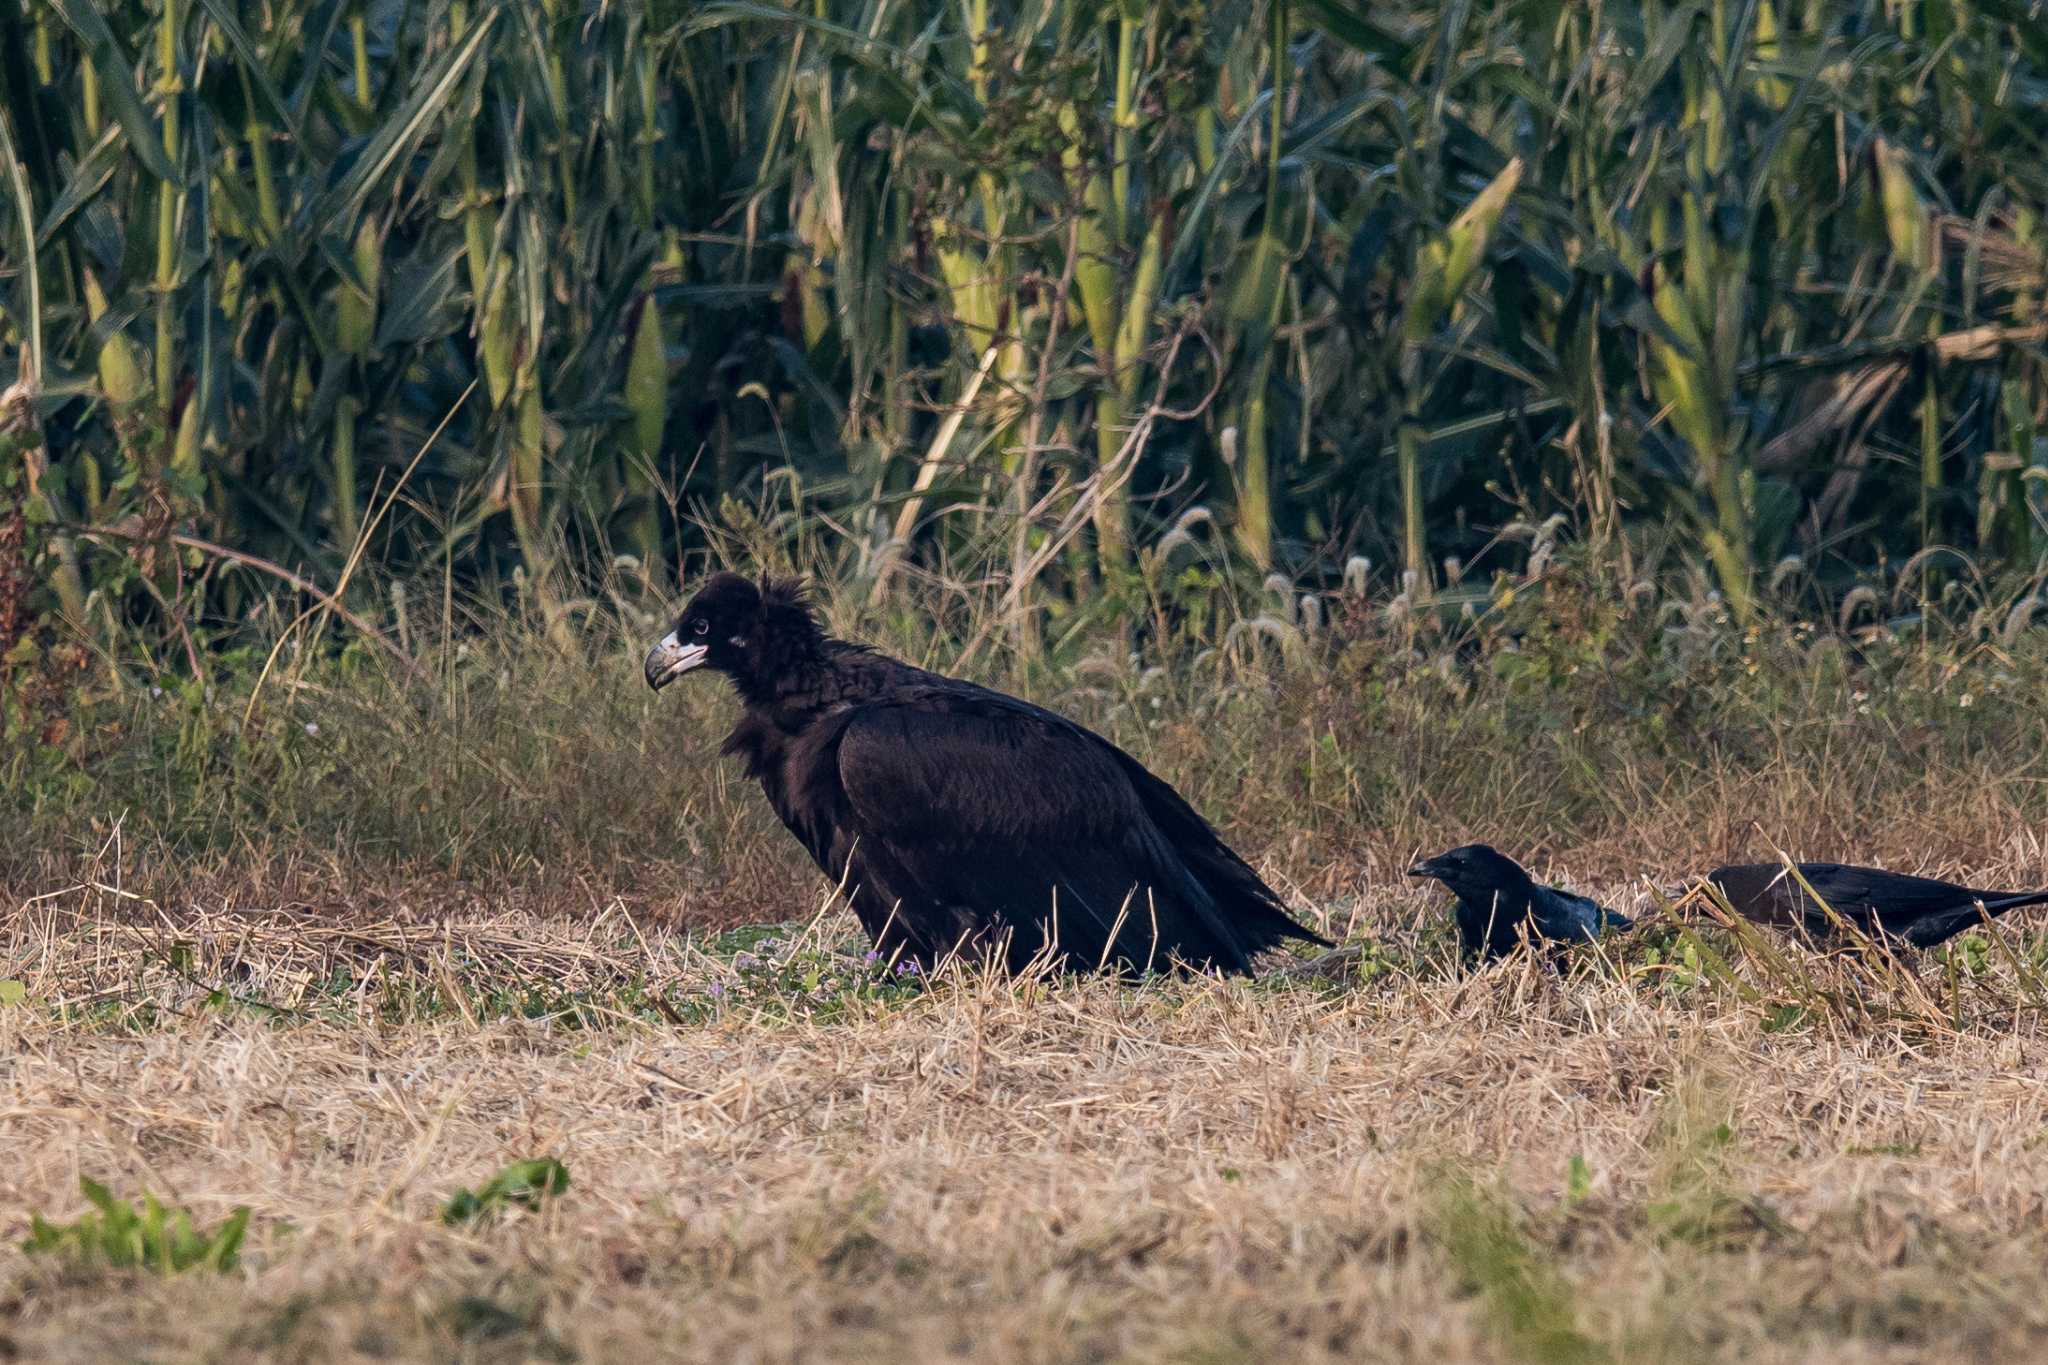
(1021, 294)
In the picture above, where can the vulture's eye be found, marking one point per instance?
(703, 627)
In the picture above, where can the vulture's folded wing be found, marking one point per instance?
(1000, 811)
(953, 769)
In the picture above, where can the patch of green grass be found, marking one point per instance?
(150, 1238)
(523, 1184)
(783, 972)
(1787, 1019)
(1528, 1303)
(1695, 1199)
(1578, 1179)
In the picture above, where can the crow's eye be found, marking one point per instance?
(703, 627)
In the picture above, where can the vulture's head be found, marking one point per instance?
(1475, 872)
(751, 632)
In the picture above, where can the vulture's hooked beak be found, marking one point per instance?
(671, 659)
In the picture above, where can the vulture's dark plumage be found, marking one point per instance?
(960, 818)
(1920, 910)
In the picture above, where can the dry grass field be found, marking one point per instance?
(380, 943)
(1624, 1162)
(1616, 431)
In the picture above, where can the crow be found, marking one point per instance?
(1495, 896)
(959, 818)
(1920, 910)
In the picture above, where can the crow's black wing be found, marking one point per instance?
(1866, 891)
(1563, 915)
(997, 812)
(1922, 910)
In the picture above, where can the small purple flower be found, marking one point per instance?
(906, 969)
(743, 961)
(717, 991)
(768, 943)
(872, 957)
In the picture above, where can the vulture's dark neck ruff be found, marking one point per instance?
(959, 819)
(791, 658)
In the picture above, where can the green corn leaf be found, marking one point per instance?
(1307, 137)
(1188, 238)
(429, 97)
(249, 62)
(320, 27)
(948, 92)
(1354, 26)
(1256, 290)
(424, 300)
(117, 84)
(87, 181)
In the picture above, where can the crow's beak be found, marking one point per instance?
(1429, 867)
(671, 659)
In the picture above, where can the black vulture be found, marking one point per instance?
(1920, 910)
(960, 818)
(1496, 896)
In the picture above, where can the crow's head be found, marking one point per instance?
(751, 632)
(1475, 872)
